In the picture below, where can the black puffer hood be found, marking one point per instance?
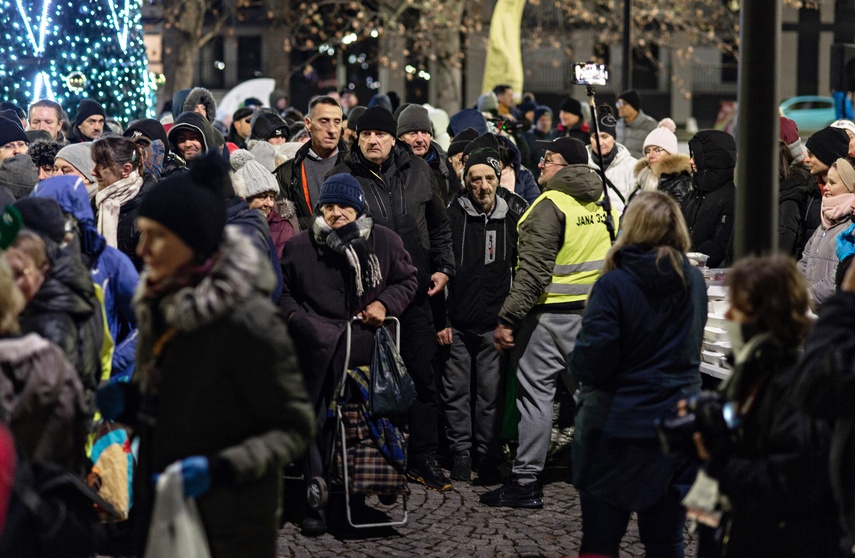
(714, 152)
(201, 96)
(198, 123)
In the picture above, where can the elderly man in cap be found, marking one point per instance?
(415, 129)
(634, 125)
(400, 189)
(301, 177)
(13, 139)
(562, 245)
(485, 240)
(88, 123)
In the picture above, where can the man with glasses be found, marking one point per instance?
(562, 244)
(240, 127)
(633, 125)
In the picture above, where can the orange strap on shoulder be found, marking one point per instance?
(306, 188)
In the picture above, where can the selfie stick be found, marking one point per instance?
(607, 202)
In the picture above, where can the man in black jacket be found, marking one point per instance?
(401, 193)
(300, 179)
(415, 128)
(485, 249)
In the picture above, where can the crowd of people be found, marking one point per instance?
(193, 278)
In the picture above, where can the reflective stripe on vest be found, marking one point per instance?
(580, 259)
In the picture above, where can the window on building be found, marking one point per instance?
(249, 58)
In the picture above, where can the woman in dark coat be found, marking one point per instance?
(773, 465)
(708, 207)
(636, 356)
(218, 386)
(342, 266)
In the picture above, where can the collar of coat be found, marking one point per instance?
(668, 164)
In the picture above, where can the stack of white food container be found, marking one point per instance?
(716, 343)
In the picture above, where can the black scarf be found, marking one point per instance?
(351, 241)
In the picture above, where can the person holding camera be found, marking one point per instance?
(768, 457)
(636, 356)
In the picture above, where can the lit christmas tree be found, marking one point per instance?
(68, 51)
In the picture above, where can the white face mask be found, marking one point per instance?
(734, 333)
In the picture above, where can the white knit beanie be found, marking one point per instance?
(257, 178)
(662, 137)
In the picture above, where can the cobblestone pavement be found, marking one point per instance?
(456, 524)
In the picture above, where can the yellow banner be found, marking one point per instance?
(504, 55)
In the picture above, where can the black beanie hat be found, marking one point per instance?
(572, 106)
(266, 125)
(632, 98)
(606, 121)
(19, 112)
(486, 140)
(192, 204)
(461, 140)
(10, 131)
(353, 116)
(87, 108)
(377, 118)
(483, 156)
(43, 216)
(828, 145)
(150, 128)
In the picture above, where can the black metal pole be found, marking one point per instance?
(626, 77)
(607, 201)
(756, 223)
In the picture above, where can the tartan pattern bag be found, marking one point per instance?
(368, 470)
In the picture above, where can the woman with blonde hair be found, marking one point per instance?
(636, 356)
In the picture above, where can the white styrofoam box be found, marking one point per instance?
(724, 363)
(722, 347)
(716, 292)
(711, 357)
(716, 320)
(720, 306)
(714, 334)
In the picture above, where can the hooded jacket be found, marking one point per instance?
(485, 251)
(196, 122)
(541, 235)
(227, 385)
(251, 222)
(201, 96)
(708, 208)
(671, 174)
(401, 194)
(636, 356)
(66, 312)
(794, 195)
(819, 261)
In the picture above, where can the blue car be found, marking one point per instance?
(810, 112)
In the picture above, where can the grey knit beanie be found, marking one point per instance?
(80, 157)
(19, 174)
(414, 118)
(258, 179)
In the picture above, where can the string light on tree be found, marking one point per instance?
(68, 51)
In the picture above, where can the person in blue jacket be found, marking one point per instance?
(636, 356)
(110, 268)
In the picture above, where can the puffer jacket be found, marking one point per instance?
(708, 208)
(618, 173)
(66, 312)
(251, 222)
(672, 175)
(226, 385)
(819, 261)
(401, 194)
(485, 250)
(794, 194)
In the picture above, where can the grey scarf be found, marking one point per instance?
(351, 240)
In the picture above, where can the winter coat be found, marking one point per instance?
(824, 388)
(672, 174)
(42, 400)
(252, 223)
(541, 235)
(446, 180)
(531, 137)
(819, 261)
(280, 231)
(619, 175)
(632, 136)
(114, 272)
(793, 196)
(401, 194)
(775, 472)
(636, 356)
(485, 250)
(525, 185)
(127, 234)
(290, 177)
(66, 312)
(211, 139)
(227, 386)
(320, 299)
(708, 208)
(201, 96)
(581, 132)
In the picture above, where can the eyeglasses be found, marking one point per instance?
(655, 150)
(544, 161)
(619, 104)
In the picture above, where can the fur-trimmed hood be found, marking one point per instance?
(201, 96)
(239, 273)
(667, 165)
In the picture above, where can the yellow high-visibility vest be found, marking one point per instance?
(580, 259)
